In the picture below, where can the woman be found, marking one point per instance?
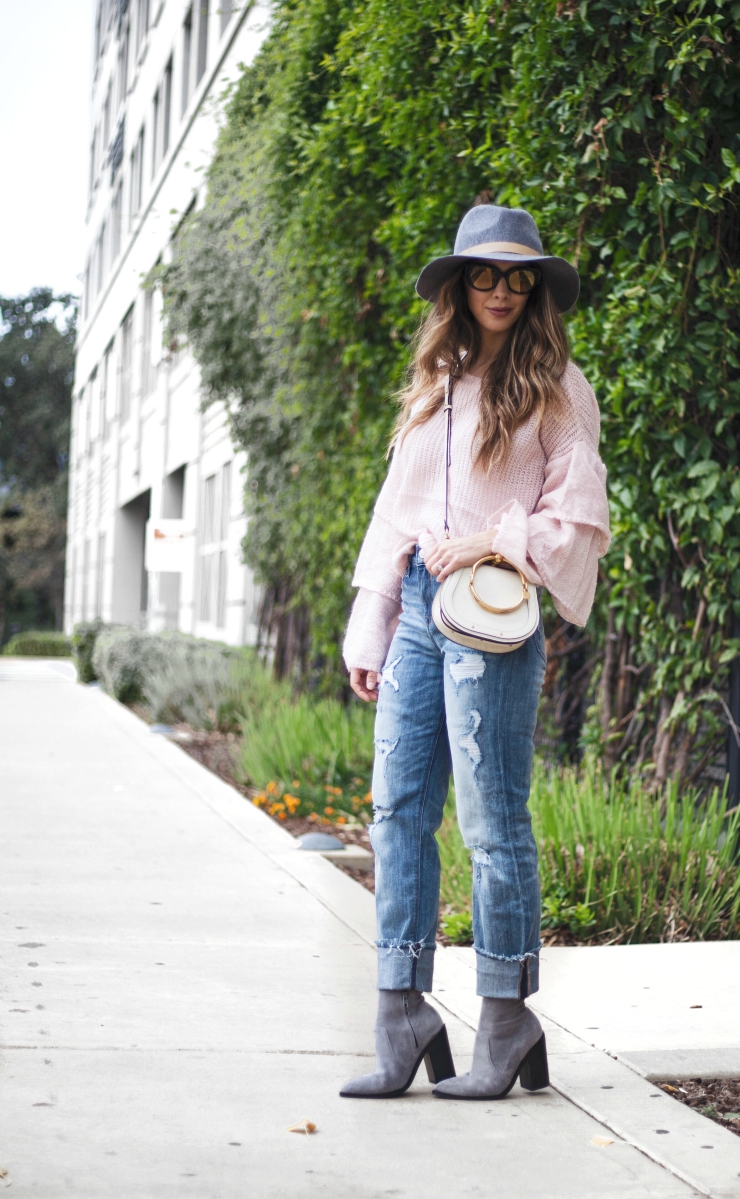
(525, 481)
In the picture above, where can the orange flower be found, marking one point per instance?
(296, 783)
(329, 811)
(272, 788)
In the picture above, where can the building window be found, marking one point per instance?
(127, 356)
(100, 259)
(187, 50)
(214, 546)
(203, 6)
(115, 153)
(105, 391)
(107, 115)
(226, 11)
(86, 305)
(142, 22)
(73, 587)
(93, 153)
(123, 64)
(100, 575)
(137, 180)
(166, 107)
(85, 576)
(116, 214)
(98, 32)
(156, 118)
(161, 119)
(148, 374)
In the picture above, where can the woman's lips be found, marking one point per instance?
(498, 311)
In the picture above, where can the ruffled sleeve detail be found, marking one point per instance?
(559, 545)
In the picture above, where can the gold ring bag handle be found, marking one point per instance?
(498, 560)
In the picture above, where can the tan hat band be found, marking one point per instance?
(502, 247)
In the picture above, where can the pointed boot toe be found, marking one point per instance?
(408, 1031)
(509, 1044)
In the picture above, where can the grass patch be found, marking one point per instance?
(617, 865)
(310, 756)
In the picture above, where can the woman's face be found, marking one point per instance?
(497, 310)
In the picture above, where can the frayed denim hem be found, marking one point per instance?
(507, 978)
(502, 957)
(405, 965)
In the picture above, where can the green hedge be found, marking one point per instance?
(353, 144)
(39, 645)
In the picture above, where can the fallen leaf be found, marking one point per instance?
(602, 1141)
(3, 1172)
(302, 1126)
(668, 1087)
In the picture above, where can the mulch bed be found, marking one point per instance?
(716, 1098)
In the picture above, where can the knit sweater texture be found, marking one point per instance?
(545, 506)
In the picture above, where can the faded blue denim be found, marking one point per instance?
(444, 708)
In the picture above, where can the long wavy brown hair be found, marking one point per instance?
(522, 380)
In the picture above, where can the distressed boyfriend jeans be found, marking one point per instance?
(444, 708)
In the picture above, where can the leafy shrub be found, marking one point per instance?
(39, 645)
(310, 756)
(620, 866)
(618, 125)
(84, 636)
(458, 926)
(121, 658)
(199, 682)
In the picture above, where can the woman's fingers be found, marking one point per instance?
(364, 683)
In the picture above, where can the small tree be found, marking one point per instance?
(36, 371)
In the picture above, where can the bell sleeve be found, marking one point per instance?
(559, 545)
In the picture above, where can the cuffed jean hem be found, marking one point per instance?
(405, 967)
(501, 979)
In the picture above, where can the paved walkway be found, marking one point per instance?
(180, 984)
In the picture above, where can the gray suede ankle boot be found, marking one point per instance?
(509, 1042)
(407, 1029)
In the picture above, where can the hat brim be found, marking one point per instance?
(559, 276)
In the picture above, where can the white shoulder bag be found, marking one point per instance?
(488, 606)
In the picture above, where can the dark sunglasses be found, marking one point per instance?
(484, 276)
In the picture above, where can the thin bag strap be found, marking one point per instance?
(448, 450)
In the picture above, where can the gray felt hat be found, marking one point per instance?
(506, 234)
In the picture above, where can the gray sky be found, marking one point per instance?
(45, 53)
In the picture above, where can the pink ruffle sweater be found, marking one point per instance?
(546, 507)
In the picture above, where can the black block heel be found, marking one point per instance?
(533, 1072)
(438, 1058)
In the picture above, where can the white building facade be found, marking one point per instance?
(148, 468)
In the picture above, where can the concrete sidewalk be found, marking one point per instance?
(180, 984)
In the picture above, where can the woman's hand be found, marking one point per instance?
(364, 683)
(449, 556)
